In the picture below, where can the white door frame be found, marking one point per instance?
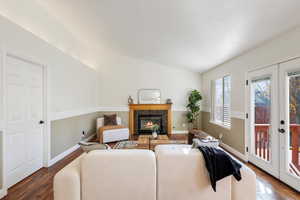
(273, 166)
(289, 66)
(46, 128)
(3, 190)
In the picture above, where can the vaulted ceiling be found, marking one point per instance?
(192, 34)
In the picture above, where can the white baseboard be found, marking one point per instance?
(180, 131)
(62, 155)
(3, 193)
(234, 152)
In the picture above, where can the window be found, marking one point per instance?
(221, 91)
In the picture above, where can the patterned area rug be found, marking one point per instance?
(126, 145)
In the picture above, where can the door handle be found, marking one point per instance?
(281, 130)
(41, 122)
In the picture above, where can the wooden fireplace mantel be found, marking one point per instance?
(134, 107)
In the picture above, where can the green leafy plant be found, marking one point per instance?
(155, 128)
(193, 106)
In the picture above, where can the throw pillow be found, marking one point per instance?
(110, 120)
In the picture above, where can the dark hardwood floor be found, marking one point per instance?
(39, 186)
(268, 187)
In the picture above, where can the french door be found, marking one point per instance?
(273, 99)
(263, 119)
(289, 76)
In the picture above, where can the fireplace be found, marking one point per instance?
(143, 116)
(145, 119)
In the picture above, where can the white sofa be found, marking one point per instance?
(113, 135)
(182, 175)
(173, 172)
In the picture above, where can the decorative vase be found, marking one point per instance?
(169, 101)
(130, 100)
(154, 134)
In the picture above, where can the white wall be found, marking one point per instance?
(1, 126)
(122, 76)
(1, 89)
(118, 76)
(279, 49)
(72, 85)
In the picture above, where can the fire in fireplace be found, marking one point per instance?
(146, 123)
(145, 119)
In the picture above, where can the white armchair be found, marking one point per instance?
(108, 134)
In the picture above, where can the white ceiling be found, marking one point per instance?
(193, 34)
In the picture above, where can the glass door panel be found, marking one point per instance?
(262, 98)
(293, 147)
(262, 117)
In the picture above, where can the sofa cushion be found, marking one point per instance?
(183, 170)
(110, 120)
(66, 184)
(100, 122)
(119, 174)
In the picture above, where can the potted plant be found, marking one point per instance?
(193, 107)
(155, 129)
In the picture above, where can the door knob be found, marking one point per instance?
(41, 122)
(281, 130)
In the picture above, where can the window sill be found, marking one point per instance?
(219, 124)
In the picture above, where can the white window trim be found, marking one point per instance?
(220, 124)
(212, 117)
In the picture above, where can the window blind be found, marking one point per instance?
(221, 101)
(226, 100)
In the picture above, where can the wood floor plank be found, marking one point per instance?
(269, 187)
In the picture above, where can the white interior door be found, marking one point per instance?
(24, 112)
(290, 123)
(262, 91)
